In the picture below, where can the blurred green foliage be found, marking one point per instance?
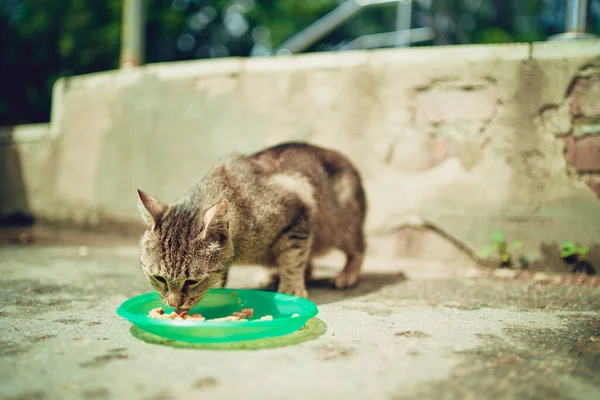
(42, 40)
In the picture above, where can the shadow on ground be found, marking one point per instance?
(312, 330)
(14, 202)
(321, 292)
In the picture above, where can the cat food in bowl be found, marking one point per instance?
(223, 315)
(159, 313)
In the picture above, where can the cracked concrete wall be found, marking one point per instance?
(467, 138)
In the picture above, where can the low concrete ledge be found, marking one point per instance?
(20, 134)
(468, 138)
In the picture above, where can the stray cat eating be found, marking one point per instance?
(278, 208)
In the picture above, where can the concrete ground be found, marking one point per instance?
(410, 330)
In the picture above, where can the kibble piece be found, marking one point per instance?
(249, 312)
(156, 313)
(266, 318)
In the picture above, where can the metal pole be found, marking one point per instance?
(132, 37)
(403, 22)
(388, 39)
(319, 29)
(326, 24)
(576, 15)
(575, 23)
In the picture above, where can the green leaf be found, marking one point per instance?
(568, 246)
(487, 250)
(498, 237)
(568, 249)
(582, 250)
(516, 245)
(565, 254)
(505, 257)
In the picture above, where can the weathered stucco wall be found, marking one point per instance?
(466, 138)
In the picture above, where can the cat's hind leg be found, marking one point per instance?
(349, 276)
(355, 253)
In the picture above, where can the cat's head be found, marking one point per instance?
(184, 251)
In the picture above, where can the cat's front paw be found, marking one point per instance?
(293, 290)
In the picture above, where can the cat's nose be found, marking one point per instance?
(174, 299)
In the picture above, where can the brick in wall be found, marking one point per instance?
(583, 153)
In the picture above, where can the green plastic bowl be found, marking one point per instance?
(220, 303)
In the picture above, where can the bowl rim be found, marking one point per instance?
(140, 319)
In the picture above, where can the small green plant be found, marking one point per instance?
(576, 255)
(502, 249)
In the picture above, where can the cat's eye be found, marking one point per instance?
(190, 283)
(160, 279)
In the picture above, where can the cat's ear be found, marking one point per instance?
(152, 210)
(213, 215)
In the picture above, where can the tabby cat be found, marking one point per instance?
(278, 208)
